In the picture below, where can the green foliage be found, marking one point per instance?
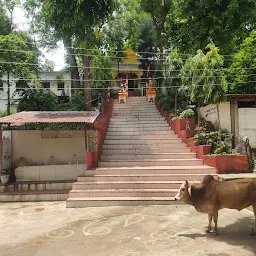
(46, 36)
(217, 147)
(178, 98)
(76, 102)
(202, 76)
(165, 101)
(5, 113)
(225, 22)
(159, 11)
(37, 100)
(14, 61)
(5, 23)
(242, 72)
(120, 31)
(173, 99)
(175, 66)
(188, 113)
(147, 44)
(102, 71)
(73, 17)
(44, 100)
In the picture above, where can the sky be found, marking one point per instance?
(57, 56)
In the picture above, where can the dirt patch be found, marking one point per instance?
(39, 209)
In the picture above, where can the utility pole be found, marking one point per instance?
(8, 94)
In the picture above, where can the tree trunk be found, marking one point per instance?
(8, 94)
(74, 72)
(87, 87)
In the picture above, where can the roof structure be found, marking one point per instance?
(245, 96)
(51, 117)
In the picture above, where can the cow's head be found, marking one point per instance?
(183, 191)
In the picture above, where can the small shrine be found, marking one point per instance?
(123, 92)
(151, 91)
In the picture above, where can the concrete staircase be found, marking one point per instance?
(143, 161)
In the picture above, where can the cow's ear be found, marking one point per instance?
(186, 184)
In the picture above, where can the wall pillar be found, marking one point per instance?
(95, 136)
(234, 117)
(91, 149)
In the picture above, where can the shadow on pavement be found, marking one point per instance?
(236, 234)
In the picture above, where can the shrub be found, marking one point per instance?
(188, 113)
(4, 113)
(217, 147)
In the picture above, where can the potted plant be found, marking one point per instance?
(183, 121)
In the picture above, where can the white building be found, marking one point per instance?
(56, 81)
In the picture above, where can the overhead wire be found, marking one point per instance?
(110, 80)
(107, 88)
(123, 69)
(107, 56)
(166, 52)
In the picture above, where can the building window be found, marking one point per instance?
(1, 85)
(45, 85)
(247, 104)
(20, 85)
(61, 86)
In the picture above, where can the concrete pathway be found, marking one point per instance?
(50, 229)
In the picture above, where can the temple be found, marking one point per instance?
(128, 69)
(127, 77)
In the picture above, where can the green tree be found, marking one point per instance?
(74, 23)
(203, 78)
(159, 11)
(173, 82)
(5, 23)
(14, 59)
(225, 22)
(147, 44)
(120, 31)
(242, 72)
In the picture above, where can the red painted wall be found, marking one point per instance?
(101, 125)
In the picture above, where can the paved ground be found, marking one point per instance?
(47, 229)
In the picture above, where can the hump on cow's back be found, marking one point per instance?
(207, 179)
(198, 190)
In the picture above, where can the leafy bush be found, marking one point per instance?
(37, 100)
(43, 100)
(217, 147)
(188, 113)
(76, 102)
(4, 113)
(165, 102)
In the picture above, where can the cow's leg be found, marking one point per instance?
(208, 230)
(215, 219)
(254, 229)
